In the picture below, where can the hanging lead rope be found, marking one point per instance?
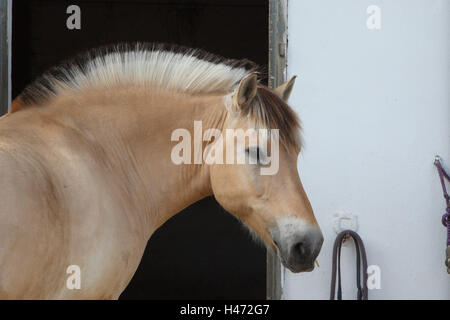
(446, 217)
(360, 258)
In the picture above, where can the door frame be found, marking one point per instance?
(278, 41)
(5, 55)
(278, 44)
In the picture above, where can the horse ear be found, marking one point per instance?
(247, 90)
(285, 90)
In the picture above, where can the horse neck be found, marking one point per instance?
(134, 127)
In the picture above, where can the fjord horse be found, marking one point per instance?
(87, 176)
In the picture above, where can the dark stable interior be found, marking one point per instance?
(203, 252)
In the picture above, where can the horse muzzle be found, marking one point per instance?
(298, 244)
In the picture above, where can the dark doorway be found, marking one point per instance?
(203, 252)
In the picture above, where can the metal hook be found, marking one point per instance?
(437, 159)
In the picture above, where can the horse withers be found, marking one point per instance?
(88, 171)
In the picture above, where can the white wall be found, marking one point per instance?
(375, 106)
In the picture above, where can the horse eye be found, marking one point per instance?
(255, 151)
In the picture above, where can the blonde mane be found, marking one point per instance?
(160, 66)
(165, 67)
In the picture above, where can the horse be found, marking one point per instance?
(87, 174)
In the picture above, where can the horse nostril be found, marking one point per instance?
(299, 249)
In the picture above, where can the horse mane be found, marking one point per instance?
(169, 67)
(164, 66)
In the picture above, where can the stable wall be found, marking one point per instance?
(375, 107)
